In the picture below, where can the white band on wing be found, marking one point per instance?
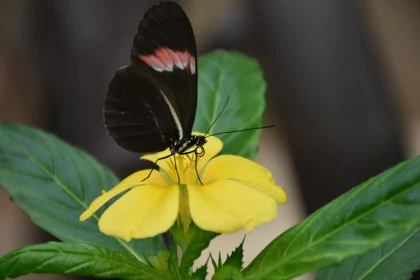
(174, 115)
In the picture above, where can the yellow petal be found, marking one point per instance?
(213, 146)
(226, 206)
(155, 156)
(245, 171)
(131, 181)
(143, 212)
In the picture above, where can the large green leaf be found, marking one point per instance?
(54, 183)
(74, 259)
(395, 259)
(222, 74)
(375, 212)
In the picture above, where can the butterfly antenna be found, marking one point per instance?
(240, 130)
(218, 116)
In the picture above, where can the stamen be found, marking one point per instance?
(171, 163)
(180, 159)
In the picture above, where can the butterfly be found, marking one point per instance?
(151, 104)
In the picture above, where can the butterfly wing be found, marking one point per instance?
(164, 51)
(136, 115)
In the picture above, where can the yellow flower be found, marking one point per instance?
(236, 193)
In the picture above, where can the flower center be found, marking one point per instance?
(186, 168)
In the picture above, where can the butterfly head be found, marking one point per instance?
(183, 145)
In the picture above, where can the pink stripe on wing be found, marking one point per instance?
(176, 56)
(185, 58)
(164, 54)
(164, 59)
(153, 62)
(192, 65)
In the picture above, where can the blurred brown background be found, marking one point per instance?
(343, 88)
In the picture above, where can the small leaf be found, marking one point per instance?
(195, 242)
(173, 261)
(383, 208)
(200, 273)
(236, 258)
(222, 74)
(54, 183)
(74, 259)
(214, 263)
(228, 273)
(160, 261)
(396, 259)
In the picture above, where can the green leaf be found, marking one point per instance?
(173, 262)
(54, 183)
(222, 74)
(74, 259)
(228, 273)
(195, 242)
(395, 259)
(219, 261)
(236, 258)
(375, 212)
(160, 261)
(200, 273)
(214, 263)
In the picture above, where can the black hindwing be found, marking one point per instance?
(136, 116)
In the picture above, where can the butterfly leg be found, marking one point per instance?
(196, 170)
(151, 170)
(197, 154)
(176, 169)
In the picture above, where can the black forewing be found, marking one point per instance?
(136, 115)
(166, 25)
